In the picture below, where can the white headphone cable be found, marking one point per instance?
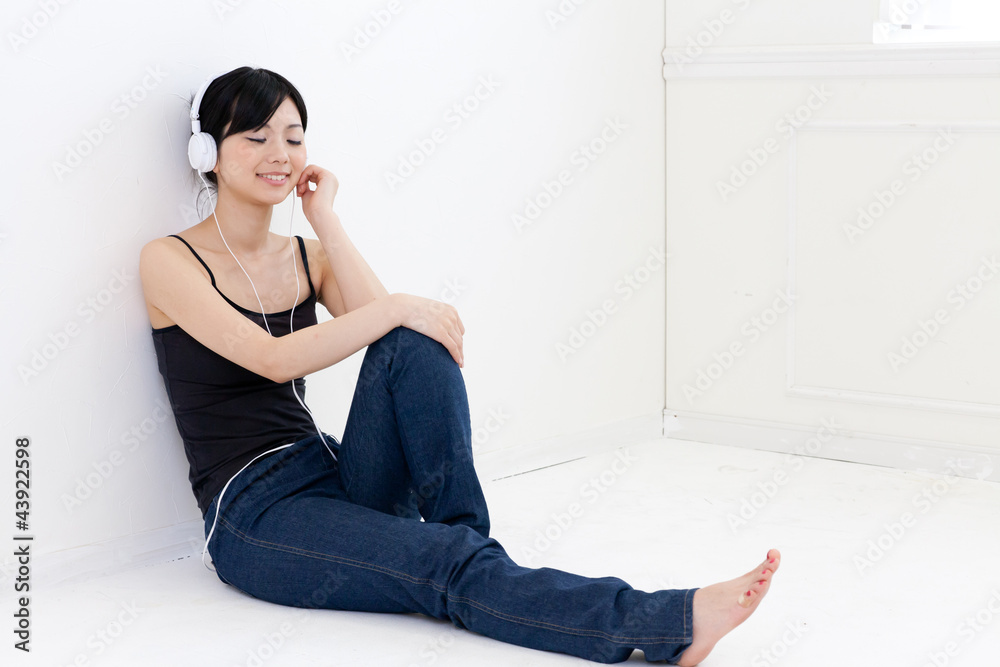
(291, 328)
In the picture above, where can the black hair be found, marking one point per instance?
(246, 98)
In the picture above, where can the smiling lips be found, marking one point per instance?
(276, 179)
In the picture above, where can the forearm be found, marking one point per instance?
(322, 345)
(357, 282)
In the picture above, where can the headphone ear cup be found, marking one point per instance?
(202, 152)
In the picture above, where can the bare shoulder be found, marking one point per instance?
(314, 249)
(324, 279)
(155, 253)
(163, 263)
(160, 255)
(317, 260)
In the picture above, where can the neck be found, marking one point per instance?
(244, 224)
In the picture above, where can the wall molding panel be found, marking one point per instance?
(798, 388)
(831, 61)
(923, 456)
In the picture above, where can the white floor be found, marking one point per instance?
(663, 516)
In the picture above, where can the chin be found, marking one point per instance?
(275, 194)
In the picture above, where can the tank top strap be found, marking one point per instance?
(198, 257)
(305, 265)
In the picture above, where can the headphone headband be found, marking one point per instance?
(201, 145)
(196, 104)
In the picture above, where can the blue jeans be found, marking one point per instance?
(298, 528)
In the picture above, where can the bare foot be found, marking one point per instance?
(721, 607)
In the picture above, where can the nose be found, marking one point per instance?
(278, 152)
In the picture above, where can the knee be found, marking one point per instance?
(411, 336)
(409, 341)
(401, 336)
(405, 348)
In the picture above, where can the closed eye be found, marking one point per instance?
(260, 141)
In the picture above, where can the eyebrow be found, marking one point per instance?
(268, 125)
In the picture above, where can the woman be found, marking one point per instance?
(300, 518)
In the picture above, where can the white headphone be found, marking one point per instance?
(203, 155)
(202, 152)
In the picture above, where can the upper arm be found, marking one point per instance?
(329, 291)
(180, 289)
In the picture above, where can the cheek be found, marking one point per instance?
(237, 160)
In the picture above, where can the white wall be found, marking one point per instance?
(763, 23)
(771, 152)
(110, 80)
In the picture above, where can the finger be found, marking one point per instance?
(454, 345)
(303, 185)
(304, 176)
(461, 349)
(453, 349)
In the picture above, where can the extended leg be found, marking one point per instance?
(310, 548)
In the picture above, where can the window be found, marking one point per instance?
(933, 21)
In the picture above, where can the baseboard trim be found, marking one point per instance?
(186, 540)
(116, 555)
(838, 444)
(520, 459)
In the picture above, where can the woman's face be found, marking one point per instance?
(263, 165)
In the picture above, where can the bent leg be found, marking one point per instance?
(407, 445)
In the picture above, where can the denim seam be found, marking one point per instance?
(322, 556)
(690, 594)
(402, 575)
(562, 628)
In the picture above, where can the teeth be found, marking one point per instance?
(273, 178)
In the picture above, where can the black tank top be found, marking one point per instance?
(226, 414)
